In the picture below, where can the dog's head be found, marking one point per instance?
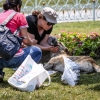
(62, 50)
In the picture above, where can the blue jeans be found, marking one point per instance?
(15, 62)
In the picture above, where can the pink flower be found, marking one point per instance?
(79, 45)
(59, 36)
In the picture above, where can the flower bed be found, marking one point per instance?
(81, 43)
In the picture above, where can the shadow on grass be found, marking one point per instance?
(95, 88)
(4, 84)
(56, 77)
(93, 78)
(92, 81)
(85, 79)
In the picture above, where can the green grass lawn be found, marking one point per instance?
(78, 27)
(87, 89)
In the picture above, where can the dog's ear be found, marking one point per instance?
(63, 48)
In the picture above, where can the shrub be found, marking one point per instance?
(81, 43)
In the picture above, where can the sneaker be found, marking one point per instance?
(2, 76)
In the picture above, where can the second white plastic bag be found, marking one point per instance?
(71, 72)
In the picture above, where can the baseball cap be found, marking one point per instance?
(49, 14)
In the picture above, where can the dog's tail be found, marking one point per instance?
(96, 67)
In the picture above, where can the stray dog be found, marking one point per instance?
(86, 63)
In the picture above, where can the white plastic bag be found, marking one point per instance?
(71, 72)
(29, 75)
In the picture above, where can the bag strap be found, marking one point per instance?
(49, 79)
(17, 32)
(8, 18)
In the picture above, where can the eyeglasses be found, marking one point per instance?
(48, 23)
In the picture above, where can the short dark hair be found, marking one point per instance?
(11, 4)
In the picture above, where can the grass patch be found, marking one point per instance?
(77, 27)
(87, 89)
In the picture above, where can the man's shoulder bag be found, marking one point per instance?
(9, 43)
